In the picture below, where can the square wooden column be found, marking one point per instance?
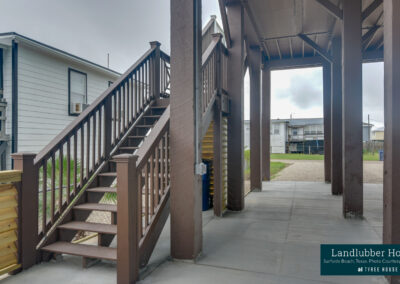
(255, 119)
(326, 68)
(235, 74)
(391, 177)
(186, 197)
(336, 114)
(266, 123)
(352, 110)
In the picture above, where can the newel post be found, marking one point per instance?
(27, 208)
(155, 73)
(107, 127)
(127, 219)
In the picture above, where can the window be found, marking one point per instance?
(77, 91)
(294, 131)
(276, 129)
(110, 83)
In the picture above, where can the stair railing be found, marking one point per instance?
(66, 165)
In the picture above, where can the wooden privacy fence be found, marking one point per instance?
(9, 244)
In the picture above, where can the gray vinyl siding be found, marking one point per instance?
(43, 96)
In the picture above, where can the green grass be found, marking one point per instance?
(297, 157)
(366, 157)
(276, 167)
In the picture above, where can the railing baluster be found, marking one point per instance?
(157, 175)
(152, 185)
(68, 169)
(60, 178)
(99, 136)
(53, 187)
(123, 110)
(44, 197)
(82, 133)
(146, 194)
(75, 161)
(128, 103)
(166, 159)
(114, 101)
(87, 149)
(162, 165)
(94, 142)
(140, 203)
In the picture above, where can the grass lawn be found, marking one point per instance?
(367, 157)
(276, 167)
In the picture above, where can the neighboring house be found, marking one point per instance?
(45, 89)
(378, 134)
(367, 131)
(299, 135)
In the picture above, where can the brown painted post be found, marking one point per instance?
(391, 177)
(255, 119)
(185, 129)
(235, 90)
(352, 110)
(266, 123)
(327, 120)
(155, 71)
(336, 145)
(28, 208)
(127, 225)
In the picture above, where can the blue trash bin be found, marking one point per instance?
(206, 187)
(380, 155)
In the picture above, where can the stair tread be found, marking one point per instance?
(103, 189)
(83, 250)
(108, 174)
(97, 207)
(152, 116)
(90, 227)
(144, 126)
(137, 136)
(129, 147)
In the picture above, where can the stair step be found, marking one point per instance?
(90, 227)
(108, 174)
(144, 126)
(103, 189)
(128, 148)
(82, 250)
(96, 207)
(137, 137)
(152, 116)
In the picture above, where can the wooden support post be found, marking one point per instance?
(352, 110)
(255, 119)
(391, 177)
(155, 71)
(235, 84)
(336, 131)
(28, 208)
(266, 123)
(327, 119)
(127, 219)
(185, 129)
(217, 162)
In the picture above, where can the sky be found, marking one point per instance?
(124, 28)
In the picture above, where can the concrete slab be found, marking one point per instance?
(276, 239)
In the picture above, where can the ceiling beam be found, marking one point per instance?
(225, 23)
(255, 27)
(279, 49)
(331, 8)
(370, 9)
(369, 36)
(291, 47)
(316, 47)
(297, 62)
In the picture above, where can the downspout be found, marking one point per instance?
(14, 98)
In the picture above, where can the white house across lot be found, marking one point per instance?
(298, 135)
(42, 89)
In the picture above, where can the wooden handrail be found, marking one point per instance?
(60, 138)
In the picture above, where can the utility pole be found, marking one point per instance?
(108, 60)
(369, 129)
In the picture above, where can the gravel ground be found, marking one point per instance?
(305, 170)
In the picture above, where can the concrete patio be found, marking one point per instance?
(275, 239)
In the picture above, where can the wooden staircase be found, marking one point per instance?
(92, 199)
